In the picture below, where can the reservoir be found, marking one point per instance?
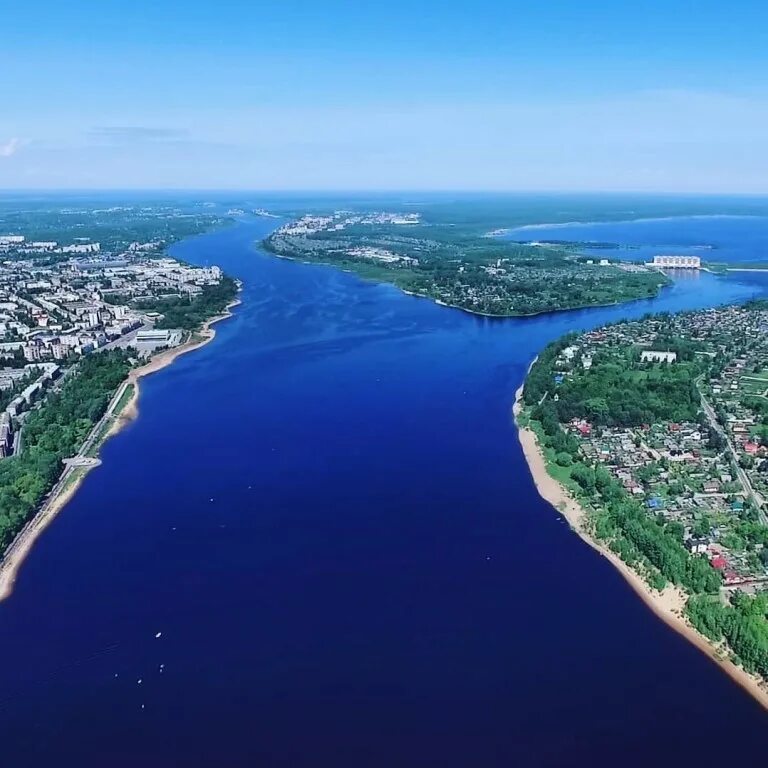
(320, 545)
(728, 239)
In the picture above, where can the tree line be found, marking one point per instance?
(53, 432)
(643, 540)
(190, 312)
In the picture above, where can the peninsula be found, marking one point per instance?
(651, 438)
(460, 265)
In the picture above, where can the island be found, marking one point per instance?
(81, 321)
(651, 438)
(463, 265)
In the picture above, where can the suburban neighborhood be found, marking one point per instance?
(707, 475)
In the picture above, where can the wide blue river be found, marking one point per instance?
(327, 515)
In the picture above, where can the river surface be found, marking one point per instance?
(729, 239)
(328, 516)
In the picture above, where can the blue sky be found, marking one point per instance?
(656, 96)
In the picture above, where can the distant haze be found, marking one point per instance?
(662, 96)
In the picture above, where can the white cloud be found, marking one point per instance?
(10, 147)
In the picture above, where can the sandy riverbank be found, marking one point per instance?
(22, 545)
(130, 411)
(667, 605)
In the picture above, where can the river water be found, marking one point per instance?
(327, 515)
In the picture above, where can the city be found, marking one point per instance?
(58, 303)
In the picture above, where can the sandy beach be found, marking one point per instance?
(667, 605)
(71, 479)
(163, 360)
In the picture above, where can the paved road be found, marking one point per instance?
(97, 429)
(80, 460)
(757, 499)
(125, 340)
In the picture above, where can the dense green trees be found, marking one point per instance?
(114, 227)
(742, 623)
(190, 313)
(623, 394)
(618, 389)
(539, 381)
(6, 395)
(53, 432)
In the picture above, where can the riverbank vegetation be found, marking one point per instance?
(189, 313)
(457, 264)
(53, 432)
(643, 541)
(742, 623)
(617, 391)
(596, 407)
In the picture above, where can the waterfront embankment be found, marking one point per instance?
(669, 604)
(122, 409)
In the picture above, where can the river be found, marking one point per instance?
(327, 516)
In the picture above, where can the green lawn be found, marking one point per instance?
(124, 398)
(753, 385)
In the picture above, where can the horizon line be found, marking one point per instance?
(374, 191)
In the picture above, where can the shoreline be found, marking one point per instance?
(72, 478)
(472, 312)
(667, 605)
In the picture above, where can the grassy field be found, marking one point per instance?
(754, 384)
(125, 398)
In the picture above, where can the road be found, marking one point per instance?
(80, 461)
(97, 429)
(124, 340)
(757, 499)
